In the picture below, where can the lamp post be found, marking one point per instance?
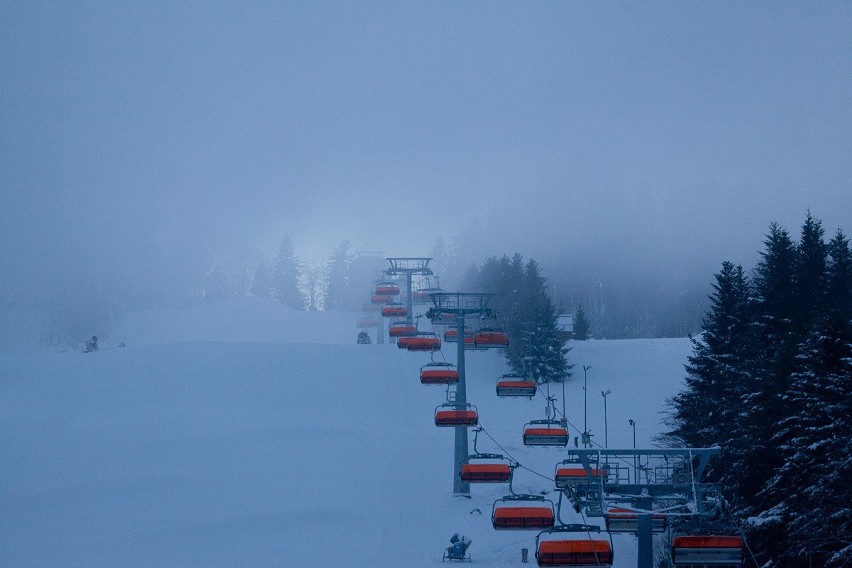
(633, 424)
(585, 404)
(604, 394)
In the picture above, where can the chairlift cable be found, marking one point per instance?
(510, 456)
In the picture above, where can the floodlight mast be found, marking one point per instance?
(460, 304)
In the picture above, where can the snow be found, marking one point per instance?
(245, 434)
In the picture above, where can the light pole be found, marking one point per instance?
(633, 424)
(604, 394)
(585, 406)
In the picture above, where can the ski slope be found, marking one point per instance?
(245, 434)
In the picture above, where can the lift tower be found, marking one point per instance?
(408, 267)
(456, 306)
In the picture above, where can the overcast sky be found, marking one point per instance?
(136, 135)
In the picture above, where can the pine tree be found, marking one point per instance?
(286, 273)
(809, 275)
(811, 489)
(582, 327)
(337, 283)
(547, 358)
(708, 411)
(839, 280)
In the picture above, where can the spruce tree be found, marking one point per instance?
(582, 327)
(809, 275)
(547, 358)
(286, 273)
(708, 411)
(337, 277)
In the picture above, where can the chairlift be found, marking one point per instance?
(545, 433)
(394, 309)
(381, 299)
(623, 520)
(515, 386)
(569, 473)
(454, 414)
(707, 551)
(387, 289)
(424, 341)
(438, 374)
(371, 307)
(485, 468)
(522, 512)
(402, 328)
(575, 547)
(491, 338)
(403, 341)
(367, 322)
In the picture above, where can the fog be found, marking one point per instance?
(140, 142)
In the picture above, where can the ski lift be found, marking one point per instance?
(452, 336)
(366, 322)
(515, 386)
(370, 307)
(545, 433)
(488, 468)
(381, 298)
(438, 374)
(455, 414)
(403, 341)
(576, 547)
(622, 520)
(570, 473)
(387, 289)
(491, 338)
(707, 550)
(486, 472)
(424, 341)
(402, 328)
(394, 309)
(522, 512)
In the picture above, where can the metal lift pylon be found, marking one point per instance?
(461, 305)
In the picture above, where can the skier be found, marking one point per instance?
(91, 345)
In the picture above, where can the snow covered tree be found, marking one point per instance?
(286, 273)
(527, 314)
(810, 493)
(582, 327)
(337, 277)
(547, 358)
(771, 382)
(314, 277)
(704, 412)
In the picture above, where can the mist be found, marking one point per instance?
(139, 143)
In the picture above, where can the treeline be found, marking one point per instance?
(526, 313)
(770, 381)
(319, 285)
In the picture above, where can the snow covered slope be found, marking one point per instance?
(281, 452)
